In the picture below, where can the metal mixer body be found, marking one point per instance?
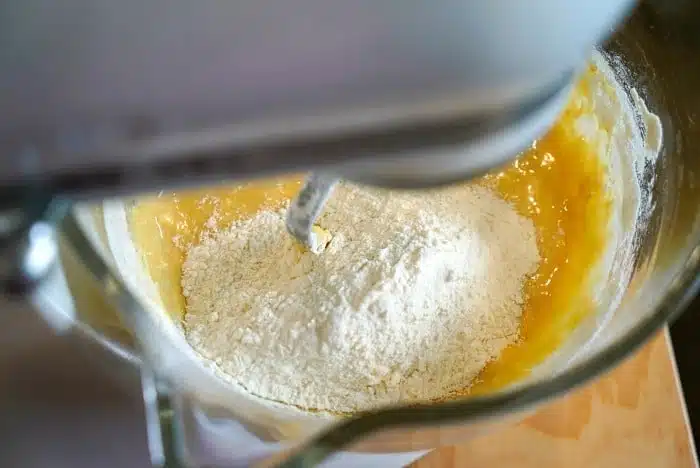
(104, 98)
(107, 98)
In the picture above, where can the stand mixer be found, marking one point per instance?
(105, 99)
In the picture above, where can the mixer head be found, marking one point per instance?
(107, 98)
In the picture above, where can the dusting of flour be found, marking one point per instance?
(412, 297)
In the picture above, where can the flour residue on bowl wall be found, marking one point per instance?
(627, 138)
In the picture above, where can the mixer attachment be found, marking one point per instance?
(306, 208)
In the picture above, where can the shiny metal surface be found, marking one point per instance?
(28, 245)
(99, 96)
(306, 207)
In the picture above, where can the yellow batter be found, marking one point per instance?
(559, 183)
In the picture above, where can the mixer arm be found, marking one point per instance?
(103, 97)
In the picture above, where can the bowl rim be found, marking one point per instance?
(682, 289)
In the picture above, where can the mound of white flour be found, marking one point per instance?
(412, 297)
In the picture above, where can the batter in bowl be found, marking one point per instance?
(414, 294)
(562, 186)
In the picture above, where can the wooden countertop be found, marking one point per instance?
(633, 416)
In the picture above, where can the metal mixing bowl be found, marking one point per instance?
(660, 45)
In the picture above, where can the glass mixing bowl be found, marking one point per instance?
(660, 47)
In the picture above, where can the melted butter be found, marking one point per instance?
(559, 183)
(165, 226)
